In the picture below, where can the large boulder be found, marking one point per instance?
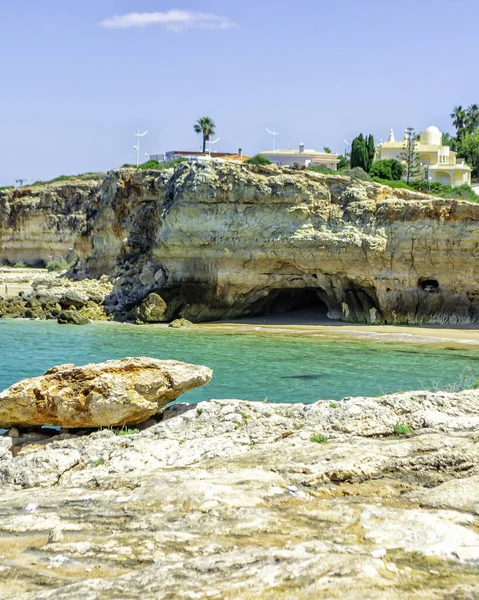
(152, 309)
(71, 298)
(72, 317)
(115, 392)
(180, 324)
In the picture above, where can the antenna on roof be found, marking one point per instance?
(137, 147)
(274, 133)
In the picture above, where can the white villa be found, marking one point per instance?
(440, 162)
(302, 157)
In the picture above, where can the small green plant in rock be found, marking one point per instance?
(333, 405)
(319, 438)
(246, 416)
(402, 429)
(127, 431)
(98, 462)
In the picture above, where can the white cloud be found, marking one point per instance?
(173, 20)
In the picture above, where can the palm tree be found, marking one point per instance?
(472, 118)
(458, 117)
(206, 127)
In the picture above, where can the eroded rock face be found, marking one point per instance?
(217, 240)
(38, 224)
(230, 499)
(231, 240)
(99, 395)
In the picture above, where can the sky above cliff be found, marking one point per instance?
(79, 78)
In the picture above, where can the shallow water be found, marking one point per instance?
(281, 367)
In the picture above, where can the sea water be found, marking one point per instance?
(283, 367)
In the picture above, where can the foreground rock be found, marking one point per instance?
(232, 500)
(99, 395)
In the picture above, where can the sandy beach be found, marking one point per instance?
(13, 281)
(314, 323)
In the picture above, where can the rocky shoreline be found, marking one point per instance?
(362, 498)
(51, 296)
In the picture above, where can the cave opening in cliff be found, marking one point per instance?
(304, 304)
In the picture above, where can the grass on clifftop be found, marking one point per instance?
(461, 192)
(61, 178)
(155, 165)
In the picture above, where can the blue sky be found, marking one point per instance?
(77, 82)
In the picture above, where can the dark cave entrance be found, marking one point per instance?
(293, 305)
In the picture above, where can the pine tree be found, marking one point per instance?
(359, 153)
(409, 156)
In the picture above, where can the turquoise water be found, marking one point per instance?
(281, 367)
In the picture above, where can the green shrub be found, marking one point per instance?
(6, 187)
(324, 170)
(333, 405)
(402, 429)
(20, 265)
(57, 265)
(319, 438)
(160, 166)
(258, 159)
(381, 169)
(461, 192)
(394, 184)
(389, 169)
(343, 163)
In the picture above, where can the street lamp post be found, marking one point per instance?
(273, 133)
(137, 147)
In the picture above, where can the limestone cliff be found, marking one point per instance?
(41, 223)
(216, 239)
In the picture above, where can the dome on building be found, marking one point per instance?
(431, 136)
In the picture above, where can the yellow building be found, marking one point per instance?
(439, 162)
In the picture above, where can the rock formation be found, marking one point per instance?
(39, 224)
(50, 295)
(115, 392)
(230, 499)
(216, 240)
